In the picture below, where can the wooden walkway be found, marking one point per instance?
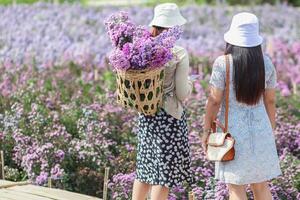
(25, 191)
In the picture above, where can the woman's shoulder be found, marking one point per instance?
(220, 59)
(220, 63)
(180, 51)
(269, 67)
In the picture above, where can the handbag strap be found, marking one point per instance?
(227, 82)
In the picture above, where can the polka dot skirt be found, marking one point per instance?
(163, 155)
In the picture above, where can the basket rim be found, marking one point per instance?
(140, 70)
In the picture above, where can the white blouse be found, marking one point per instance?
(177, 87)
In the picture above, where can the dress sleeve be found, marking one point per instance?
(271, 77)
(217, 78)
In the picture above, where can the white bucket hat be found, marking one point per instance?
(167, 15)
(244, 31)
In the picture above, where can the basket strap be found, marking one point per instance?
(216, 124)
(227, 92)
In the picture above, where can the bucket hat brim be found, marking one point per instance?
(242, 41)
(163, 21)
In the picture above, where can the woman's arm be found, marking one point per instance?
(216, 90)
(269, 94)
(211, 110)
(270, 104)
(183, 86)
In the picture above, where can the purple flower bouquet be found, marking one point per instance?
(139, 60)
(135, 48)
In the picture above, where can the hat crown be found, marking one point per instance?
(167, 15)
(166, 9)
(244, 30)
(166, 6)
(244, 19)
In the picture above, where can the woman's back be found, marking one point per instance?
(218, 80)
(251, 115)
(176, 84)
(251, 128)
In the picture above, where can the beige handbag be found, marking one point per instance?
(220, 145)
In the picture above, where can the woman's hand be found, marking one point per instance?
(211, 110)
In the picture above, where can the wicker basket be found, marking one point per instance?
(140, 89)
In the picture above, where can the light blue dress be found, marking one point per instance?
(256, 159)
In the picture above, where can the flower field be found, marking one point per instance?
(58, 116)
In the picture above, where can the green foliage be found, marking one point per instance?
(109, 79)
(14, 174)
(247, 2)
(289, 165)
(69, 119)
(292, 104)
(7, 2)
(294, 2)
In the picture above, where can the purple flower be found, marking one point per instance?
(120, 29)
(141, 32)
(119, 60)
(57, 172)
(42, 178)
(60, 154)
(1, 136)
(134, 46)
(168, 37)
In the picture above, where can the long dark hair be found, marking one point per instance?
(248, 73)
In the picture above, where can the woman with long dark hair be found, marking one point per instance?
(251, 110)
(163, 153)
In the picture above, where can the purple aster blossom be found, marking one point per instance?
(119, 60)
(120, 29)
(126, 180)
(1, 136)
(168, 37)
(141, 32)
(129, 147)
(60, 154)
(57, 172)
(127, 50)
(284, 89)
(161, 57)
(42, 178)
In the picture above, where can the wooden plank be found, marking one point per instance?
(6, 184)
(16, 195)
(105, 185)
(2, 164)
(56, 194)
(5, 198)
(3, 182)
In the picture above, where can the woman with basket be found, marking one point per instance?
(243, 83)
(163, 155)
(152, 78)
